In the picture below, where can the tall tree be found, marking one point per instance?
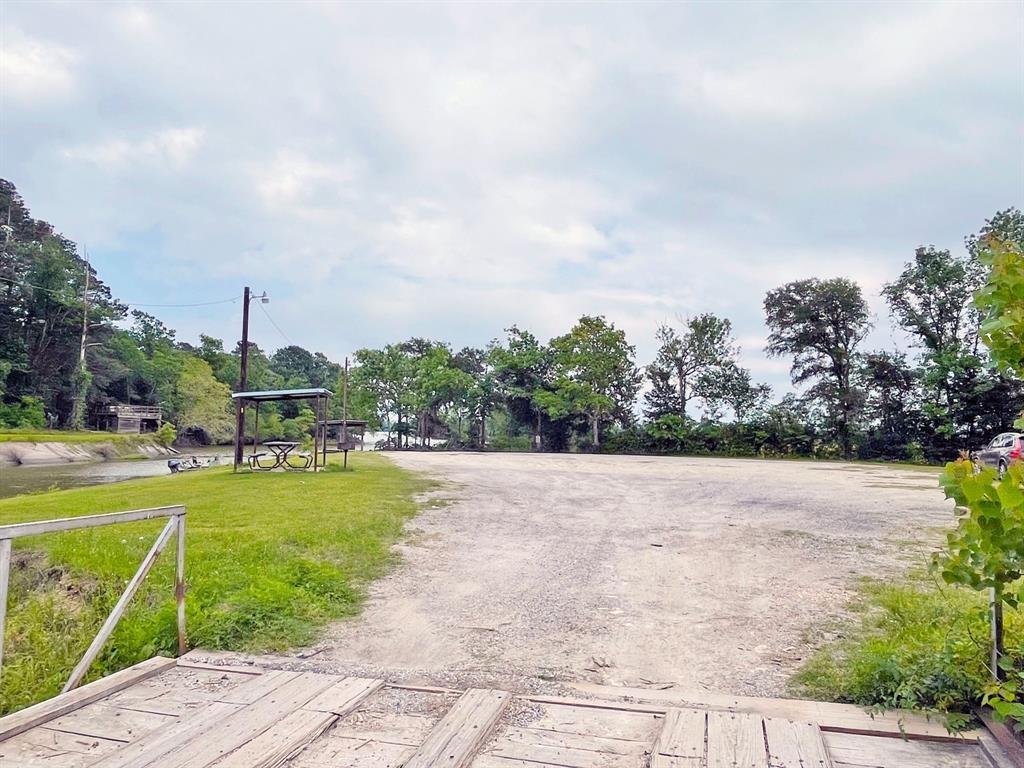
(690, 363)
(932, 300)
(522, 370)
(891, 408)
(820, 323)
(385, 378)
(1000, 248)
(594, 375)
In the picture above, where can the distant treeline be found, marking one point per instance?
(583, 390)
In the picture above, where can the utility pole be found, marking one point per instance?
(77, 416)
(243, 382)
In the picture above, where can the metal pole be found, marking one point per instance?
(5, 575)
(996, 606)
(179, 582)
(243, 381)
(316, 432)
(344, 417)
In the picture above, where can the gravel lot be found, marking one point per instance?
(700, 573)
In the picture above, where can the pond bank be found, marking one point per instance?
(16, 453)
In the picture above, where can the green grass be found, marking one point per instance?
(8, 435)
(912, 646)
(271, 558)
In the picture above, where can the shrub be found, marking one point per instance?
(26, 413)
(915, 647)
(166, 434)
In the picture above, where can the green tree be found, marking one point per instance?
(820, 323)
(693, 362)
(522, 371)
(204, 402)
(1000, 248)
(594, 375)
(382, 380)
(890, 409)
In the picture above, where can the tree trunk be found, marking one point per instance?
(594, 428)
(537, 437)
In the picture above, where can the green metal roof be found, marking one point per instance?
(283, 394)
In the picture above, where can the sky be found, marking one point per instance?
(391, 170)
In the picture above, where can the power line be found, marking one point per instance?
(128, 303)
(283, 334)
(199, 304)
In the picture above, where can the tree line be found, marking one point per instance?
(68, 346)
(580, 390)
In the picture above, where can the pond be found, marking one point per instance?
(17, 480)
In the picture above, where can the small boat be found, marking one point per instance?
(188, 463)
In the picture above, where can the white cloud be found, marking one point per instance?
(454, 169)
(295, 184)
(170, 147)
(33, 70)
(892, 50)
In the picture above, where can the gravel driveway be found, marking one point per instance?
(640, 571)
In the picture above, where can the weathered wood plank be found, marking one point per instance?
(567, 749)
(16, 530)
(735, 740)
(886, 752)
(616, 723)
(291, 735)
(343, 697)
(258, 687)
(98, 719)
(186, 663)
(682, 737)
(47, 710)
(565, 757)
(402, 728)
(329, 752)
(152, 748)
(56, 749)
(830, 717)
(592, 743)
(241, 727)
(795, 745)
(455, 739)
(494, 761)
(281, 741)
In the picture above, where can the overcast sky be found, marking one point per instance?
(390, 170)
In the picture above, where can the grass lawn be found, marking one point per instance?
(63, 436)
(271, 558)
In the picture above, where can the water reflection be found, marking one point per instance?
(17, 480)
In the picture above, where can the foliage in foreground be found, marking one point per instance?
(270, 559)
(915, 646)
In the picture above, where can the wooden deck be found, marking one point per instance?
(188, 714)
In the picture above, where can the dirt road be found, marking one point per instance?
(632, 570)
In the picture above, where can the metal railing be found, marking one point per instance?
(147, 411)
(175, 526)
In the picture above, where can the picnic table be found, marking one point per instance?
(281, 450)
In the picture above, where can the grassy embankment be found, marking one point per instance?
(271, 558)
(916, 645)
(73, 437)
